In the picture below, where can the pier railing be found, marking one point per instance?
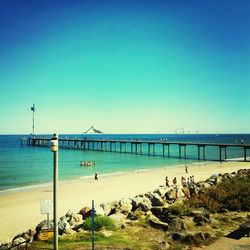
(107, 145)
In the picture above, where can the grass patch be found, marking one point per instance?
(180, 209)
(84, 241)
(100, 222)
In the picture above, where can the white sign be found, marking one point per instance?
(46, 206)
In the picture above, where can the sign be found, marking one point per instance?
(46, 234)
(46, 206)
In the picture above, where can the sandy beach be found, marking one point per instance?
(20, 210)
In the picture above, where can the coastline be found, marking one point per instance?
(89, 178)
(20, 210)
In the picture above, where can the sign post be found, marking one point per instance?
(54, 149)
(93, 225)
(47, 208)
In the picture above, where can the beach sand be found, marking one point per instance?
(20, 210)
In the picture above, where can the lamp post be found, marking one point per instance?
(54, 149)
(33, 109)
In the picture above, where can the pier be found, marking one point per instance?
(136, 146)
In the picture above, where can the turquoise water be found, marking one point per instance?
(25, 165)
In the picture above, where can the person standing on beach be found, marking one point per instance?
(186, 169)
(167, 182)
(175, 181)
(96, 177)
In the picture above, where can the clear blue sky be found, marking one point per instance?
(125, 66)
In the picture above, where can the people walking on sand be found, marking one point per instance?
(186, 169)
(191, 179)
(167, 182)
(96, 176)
(174, 181)
(188, 182)
(183, 181)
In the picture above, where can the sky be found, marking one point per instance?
(125, 66)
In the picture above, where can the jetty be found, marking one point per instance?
(136, 146)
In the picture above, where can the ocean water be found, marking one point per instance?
(22, 165)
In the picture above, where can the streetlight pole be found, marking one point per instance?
(33, 109)
(54, 149)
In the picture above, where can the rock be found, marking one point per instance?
(72, 218)
(177, 224)
(43, 225)
(200, 235)
(124, 206)
(109, 208)
(27, 236)
(85, 212)
(190, 239)
(76, 227)
(199, 220)
(223, 210)
(136, 215)
(161, 213)
(193, 190)
(119, 219)
(99, 211)
(197, 212)
(164, 245)
(155, 199)
(171, 195)
(18, 241)
(64, 227)
(207, 235)
(142, 203)
(5, 246)
(177, 236)
(161, 191)
(207, 185)
(156, 223)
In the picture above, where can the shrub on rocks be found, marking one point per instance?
(100, 222)
(179, 209)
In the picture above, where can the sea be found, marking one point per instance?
(23, 166)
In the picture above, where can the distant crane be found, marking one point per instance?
(33, 109)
